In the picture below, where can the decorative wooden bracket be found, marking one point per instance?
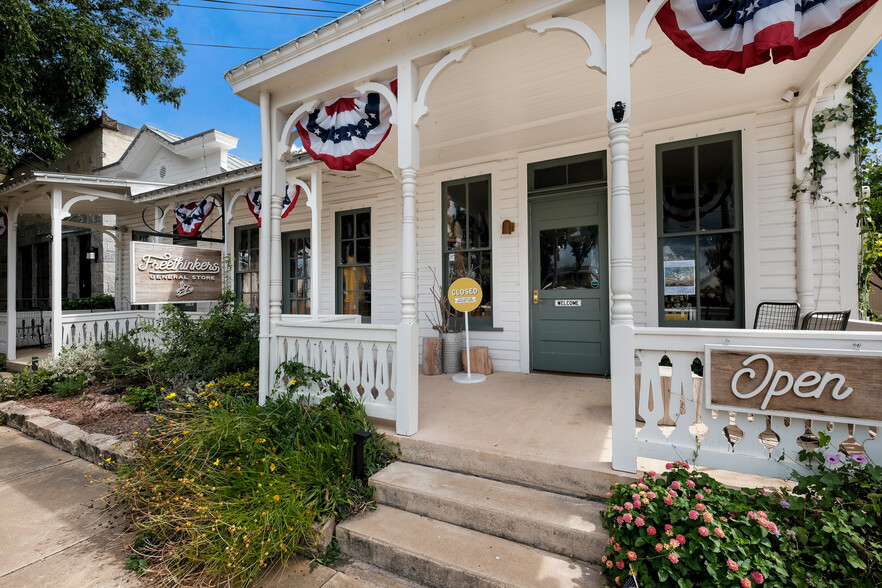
(597, 59)
(455, 56)
(640, 42)
(285, 141)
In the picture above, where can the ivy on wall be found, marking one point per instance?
(860, 109)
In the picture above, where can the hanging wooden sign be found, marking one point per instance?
(172, 273)
(804, 383)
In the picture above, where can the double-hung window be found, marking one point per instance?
(467, 248)
(700, 232)
(247, 264)
(354, 263)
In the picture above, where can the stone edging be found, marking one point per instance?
(104, 450)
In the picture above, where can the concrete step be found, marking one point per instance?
(371, 575)
(564, 525)
(576, 481)
(436, 553)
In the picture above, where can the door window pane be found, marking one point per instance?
(569, 258)
(247, 265)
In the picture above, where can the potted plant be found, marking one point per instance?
(444, 322)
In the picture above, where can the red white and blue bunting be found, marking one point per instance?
(738, 34)
(288, 203)
(190, 217)
(346, 131)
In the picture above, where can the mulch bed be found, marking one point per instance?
(99, 409)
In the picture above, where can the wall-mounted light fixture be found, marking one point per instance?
(618, 111)
(92, 254)
(507, 227)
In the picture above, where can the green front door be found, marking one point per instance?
(569, 282)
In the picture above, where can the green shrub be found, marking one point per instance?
(68, 387)
(126, 357)
(224, 486)
(100, 302)
(833, 520)
(142, 398)
(199, 350)
(78, 362)
(26, 384)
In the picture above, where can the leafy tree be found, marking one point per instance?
(57, 58)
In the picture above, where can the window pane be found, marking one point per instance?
(456, 217)
(549, 177)
(481, 272)
(347, 226)
(363, 251)
(585, 171)
(569, 258)
(479, 209)
(717, 277)
(678, 190)
(715, 184)
(364, 224)
(347, 252)
(678, 263)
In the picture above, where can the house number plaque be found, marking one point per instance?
(808, 383)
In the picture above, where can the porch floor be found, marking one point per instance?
(550, 418)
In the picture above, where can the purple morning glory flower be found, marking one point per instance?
(785, 504)
(833, 459)
(860, 458)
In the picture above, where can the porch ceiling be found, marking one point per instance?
(517, 90)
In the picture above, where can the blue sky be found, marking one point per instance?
(209, 102)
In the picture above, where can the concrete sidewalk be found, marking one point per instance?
(59, 532)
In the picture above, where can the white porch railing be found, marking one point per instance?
(80, 329)
(362, 358)
(736, 441)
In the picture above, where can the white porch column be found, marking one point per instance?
(406, 420)
(277, 181)
(56, 270)
(229, 264)
(804, 264)
(315, 238)
(263, 298)
(618, 89)
(11, 278)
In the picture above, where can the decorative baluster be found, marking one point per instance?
(650, 387)
(750, 444)
(788, 435)
(872, 445)
(382, 380)
(353, 368)
(368, 375)
(682, 390)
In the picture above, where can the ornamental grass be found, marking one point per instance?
(223, 486)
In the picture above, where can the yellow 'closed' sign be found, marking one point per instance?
(464, 295)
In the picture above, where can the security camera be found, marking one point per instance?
(789, 95)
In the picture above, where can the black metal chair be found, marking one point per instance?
(777, 316)
(826, 320)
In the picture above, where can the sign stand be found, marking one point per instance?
(465, 295)
(468, 377)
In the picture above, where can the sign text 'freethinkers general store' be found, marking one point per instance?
(172, 273)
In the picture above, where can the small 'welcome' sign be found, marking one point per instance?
(807, 383)
(173, 273)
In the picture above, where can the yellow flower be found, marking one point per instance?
(276, 498)
(246, 384)
(170, 396)
(217, 461)
(291, 383)
(272, 467)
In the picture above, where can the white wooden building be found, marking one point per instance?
(505, 111)
(566, 154)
